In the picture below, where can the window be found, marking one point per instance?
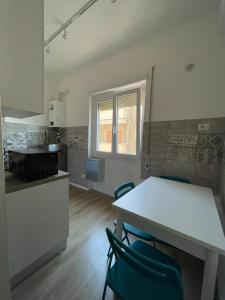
(105, 126)
(127, 123)
(116, 123)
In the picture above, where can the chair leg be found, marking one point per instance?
(108, 254)
(104, 291)
(126, 237)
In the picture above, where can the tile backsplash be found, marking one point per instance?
(17, 136)
(178, 148)
(76, 139)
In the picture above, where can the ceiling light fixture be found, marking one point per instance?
(47, 49)
(64, 26)
(64, 35)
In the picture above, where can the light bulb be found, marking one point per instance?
(64, 35)
(48, 49)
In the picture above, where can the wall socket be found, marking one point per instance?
(146, 166)
(203, 127)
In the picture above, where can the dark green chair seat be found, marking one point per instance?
(175, 178)
(155, 254)
(129, 284)
(141, 272)
(137, 232)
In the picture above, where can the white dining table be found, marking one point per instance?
(183, 215)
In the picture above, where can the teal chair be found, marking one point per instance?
(127, 228)
(175, 178)
(142, 272)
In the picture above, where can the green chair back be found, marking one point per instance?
(123, 189)
(178, 179)
(154, 270)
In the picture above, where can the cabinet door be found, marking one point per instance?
(21, 57)
(37, 222)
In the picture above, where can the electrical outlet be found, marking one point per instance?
(146, 166)
(203, 127)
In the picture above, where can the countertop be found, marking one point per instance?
(13, 184)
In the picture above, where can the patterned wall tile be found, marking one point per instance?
(16, 136)
(182, 169)
(76, 139)
(209, 156)
(216, 141)
(191, 139)
(189, 153)
(211, 140)
(183, 139)
(180, 153)
(208, 170)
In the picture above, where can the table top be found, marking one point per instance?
(184, 209)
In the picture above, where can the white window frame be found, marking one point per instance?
(102, 97)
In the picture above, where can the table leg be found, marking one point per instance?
(119, 228)
(210, 273)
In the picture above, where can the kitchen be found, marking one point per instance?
(52, 105)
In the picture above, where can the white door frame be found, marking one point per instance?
(4, 266)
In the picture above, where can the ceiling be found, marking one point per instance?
(109, 27)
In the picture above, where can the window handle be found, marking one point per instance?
(114, 130)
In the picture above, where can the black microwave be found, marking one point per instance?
(33, 164)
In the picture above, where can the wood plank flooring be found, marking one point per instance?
(78, 273)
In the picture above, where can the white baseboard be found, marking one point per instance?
(79, 186)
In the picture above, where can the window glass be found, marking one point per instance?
(104, 128)
(127, 124)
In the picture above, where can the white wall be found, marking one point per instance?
(178, 94)
(116, 173)
(50, 89)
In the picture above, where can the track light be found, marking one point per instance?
(74, 17)
(48, 49)
(64, 35)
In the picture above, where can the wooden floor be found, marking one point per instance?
(78, 273)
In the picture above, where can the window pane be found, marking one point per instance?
(127, 124)
(104, 128)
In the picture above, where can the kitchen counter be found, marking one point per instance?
(13, 184)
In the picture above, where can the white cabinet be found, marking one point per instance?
(38, 224)
(57, 113)
(21, 57)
